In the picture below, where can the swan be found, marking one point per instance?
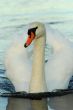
(26, 67)
(58, 69)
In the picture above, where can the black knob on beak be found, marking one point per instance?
(25, 45)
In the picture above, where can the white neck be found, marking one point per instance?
(37, 83)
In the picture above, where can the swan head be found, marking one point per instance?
(35, 31)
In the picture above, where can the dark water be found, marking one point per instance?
(6, 86)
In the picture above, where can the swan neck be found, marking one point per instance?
(38, 83)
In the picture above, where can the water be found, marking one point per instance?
(14, 15)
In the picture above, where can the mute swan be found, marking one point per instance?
(58, 69)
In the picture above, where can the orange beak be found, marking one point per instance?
(29, 39)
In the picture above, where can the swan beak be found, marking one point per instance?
(29, 39)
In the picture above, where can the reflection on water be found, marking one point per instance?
(18, 104)
(39, 104)
(21, 104)
(62, 103)
(25, 104)
(56, 103)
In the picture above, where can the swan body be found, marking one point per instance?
(58, 69)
